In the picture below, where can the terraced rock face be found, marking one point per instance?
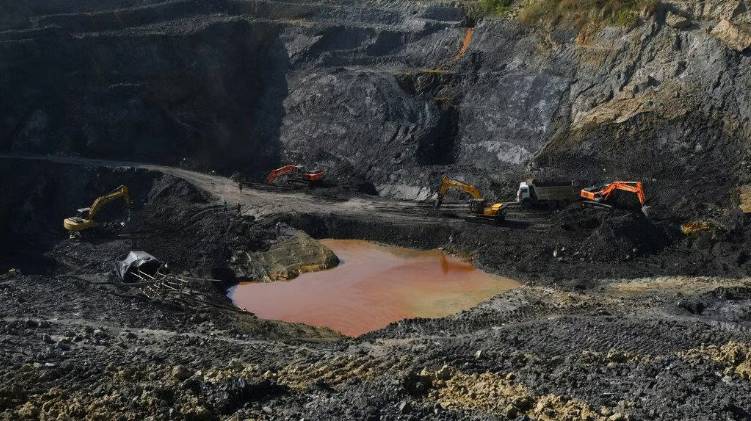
(187, 89)
(398, 92)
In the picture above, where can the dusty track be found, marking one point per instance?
(573, 248)
(264, 201)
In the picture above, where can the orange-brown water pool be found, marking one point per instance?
(373, 286)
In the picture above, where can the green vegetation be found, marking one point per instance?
(494, 7)
(579, 13)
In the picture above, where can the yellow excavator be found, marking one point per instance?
(85, 218)
(478, 206)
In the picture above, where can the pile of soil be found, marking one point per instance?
(621, 235)
(342, 178)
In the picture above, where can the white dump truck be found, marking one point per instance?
(534, 193)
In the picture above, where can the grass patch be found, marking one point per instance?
(478, 9)
(578, 13)
(494, 7)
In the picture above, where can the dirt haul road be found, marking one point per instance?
(573, 248)
(265, 201)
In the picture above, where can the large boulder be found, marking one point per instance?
(290, 255)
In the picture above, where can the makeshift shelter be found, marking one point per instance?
(137, 264)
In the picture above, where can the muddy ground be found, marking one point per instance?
(620, 317)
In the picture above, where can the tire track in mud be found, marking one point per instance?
(163, 334)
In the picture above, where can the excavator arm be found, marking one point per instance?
(285, 170)
(603, 194)
(310, 177)
(100, 201)
(634, 187)
(449, 183)
(86, 221)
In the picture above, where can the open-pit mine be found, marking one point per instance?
(375, 210)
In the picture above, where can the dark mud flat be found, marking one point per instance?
(78, 343)
(572, 248)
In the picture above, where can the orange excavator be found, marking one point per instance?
(296, 173)
(605, 195)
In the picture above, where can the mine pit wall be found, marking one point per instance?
(659, 104)
(381, 93)
(245, 85)
(378, 229)
(189, 91)
(656, 103)
(689, 167)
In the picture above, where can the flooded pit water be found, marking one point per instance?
(373, 286)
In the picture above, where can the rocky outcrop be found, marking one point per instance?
(290, 255)
(676, 20)
(744, 194)
(732, 35)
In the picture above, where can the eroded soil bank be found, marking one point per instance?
(373, 286)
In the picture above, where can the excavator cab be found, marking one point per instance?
(477, 205)
(83, 212)
(619, 194)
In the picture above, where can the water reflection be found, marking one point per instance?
(373, 286)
